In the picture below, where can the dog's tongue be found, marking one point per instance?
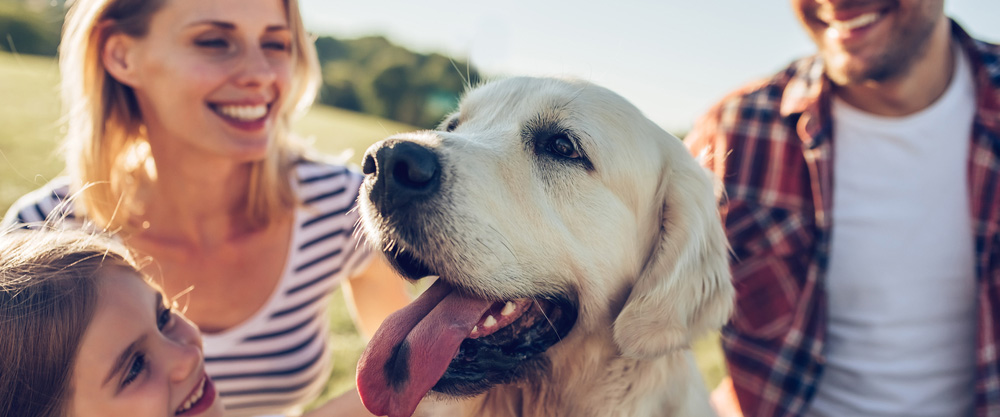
(412, 348)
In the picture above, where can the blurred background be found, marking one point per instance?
(394, 65)
(671, 58)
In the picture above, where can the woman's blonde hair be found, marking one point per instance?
(105, 144)
(48, 295)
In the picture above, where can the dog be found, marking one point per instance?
(578, 248)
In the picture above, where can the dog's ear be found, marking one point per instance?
(685, 287)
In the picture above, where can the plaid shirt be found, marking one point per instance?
(771, 145)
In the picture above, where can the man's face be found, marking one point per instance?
(876, 40)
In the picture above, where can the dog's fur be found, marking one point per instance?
(626, 227)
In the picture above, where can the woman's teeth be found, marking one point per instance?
(195, 396)
(860, 21)
(243, 113)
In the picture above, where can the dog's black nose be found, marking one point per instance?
(404, 172)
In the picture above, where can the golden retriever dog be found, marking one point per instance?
(578, 249)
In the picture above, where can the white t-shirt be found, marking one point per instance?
(901, 278)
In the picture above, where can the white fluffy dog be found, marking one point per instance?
(579, 252)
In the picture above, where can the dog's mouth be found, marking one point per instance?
(406, 264)
(456, 343)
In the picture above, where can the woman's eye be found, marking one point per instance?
(212, 43)
(135, 368)
(164, 318)
(562, 145)
(276, 46)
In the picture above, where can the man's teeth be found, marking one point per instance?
(243, 112)
(860, 21)
(193, 399)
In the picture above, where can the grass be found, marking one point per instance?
(29, 138)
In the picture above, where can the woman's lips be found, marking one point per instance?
(243, 116)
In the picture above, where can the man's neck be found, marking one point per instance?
(913, 90)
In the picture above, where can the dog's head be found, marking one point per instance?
(551, 210)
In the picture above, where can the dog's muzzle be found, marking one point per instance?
(401, 173)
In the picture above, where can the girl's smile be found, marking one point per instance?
(138, 357)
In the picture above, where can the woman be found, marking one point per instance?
(178, 140)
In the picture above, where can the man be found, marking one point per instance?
(863, 207)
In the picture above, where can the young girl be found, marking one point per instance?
(83, 333)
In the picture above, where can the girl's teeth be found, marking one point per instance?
(243, 112)
(194, 398)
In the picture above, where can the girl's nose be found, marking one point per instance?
(185, 352)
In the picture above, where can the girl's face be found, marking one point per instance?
(209, 75)
(138, 357)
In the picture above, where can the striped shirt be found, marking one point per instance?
(771, 144)
(278, 360)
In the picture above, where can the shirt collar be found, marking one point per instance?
(985, 60)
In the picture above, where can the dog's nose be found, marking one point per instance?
(405, 172)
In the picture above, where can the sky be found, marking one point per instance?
(671, 58)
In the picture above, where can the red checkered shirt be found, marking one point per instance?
(771, 145)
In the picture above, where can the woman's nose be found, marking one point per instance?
(256, 69)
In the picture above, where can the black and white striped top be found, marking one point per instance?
(277, 360)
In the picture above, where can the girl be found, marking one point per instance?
(83, 333)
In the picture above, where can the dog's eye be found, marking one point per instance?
(563, 146)
(452, 124)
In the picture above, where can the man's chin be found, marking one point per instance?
(853, 70)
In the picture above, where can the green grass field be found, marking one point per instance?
(29, 136)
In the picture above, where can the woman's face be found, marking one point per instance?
(138, 357)
(209, 75)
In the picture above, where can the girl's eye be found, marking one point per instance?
(164, 318)
(136, 368)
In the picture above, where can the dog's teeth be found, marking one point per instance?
(507, 309)
(475, 329)
(490, 321)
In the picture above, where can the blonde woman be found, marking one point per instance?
(178, 140)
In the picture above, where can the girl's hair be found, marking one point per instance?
(48, 293)
(105, 142)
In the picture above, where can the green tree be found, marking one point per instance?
(28, 32)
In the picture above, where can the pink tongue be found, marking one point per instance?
(411, 350)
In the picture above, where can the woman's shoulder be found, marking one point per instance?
(48, 202)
